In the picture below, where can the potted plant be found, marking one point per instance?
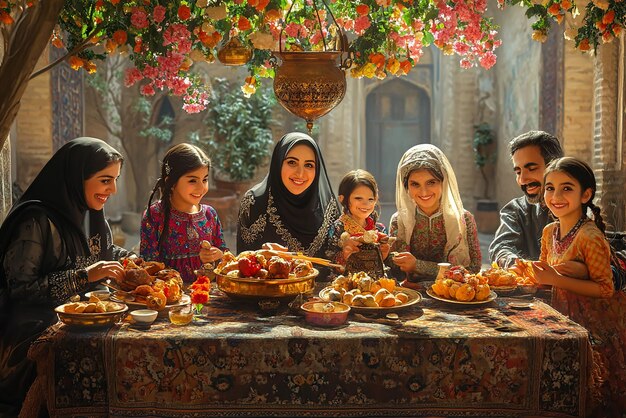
(484, 146)
(238, 137)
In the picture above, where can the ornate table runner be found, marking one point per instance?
(438, 360)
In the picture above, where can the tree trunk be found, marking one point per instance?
(28, 40)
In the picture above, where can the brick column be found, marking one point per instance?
(606, 162)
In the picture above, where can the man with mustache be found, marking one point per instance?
(522, 219)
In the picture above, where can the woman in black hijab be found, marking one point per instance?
(294, 205)
(47, 256)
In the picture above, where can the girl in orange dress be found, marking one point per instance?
(569, 189)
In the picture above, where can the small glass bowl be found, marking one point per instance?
(181, 315)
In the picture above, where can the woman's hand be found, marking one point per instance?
(209, 253)
(274, 247)
(544, 273)
(350, 247)
(105, 270)
(406, 261)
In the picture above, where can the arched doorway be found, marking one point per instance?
(397, 117)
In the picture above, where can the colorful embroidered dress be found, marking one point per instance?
(186, 232)
(348, 224)
(428, 242)
(604, 317)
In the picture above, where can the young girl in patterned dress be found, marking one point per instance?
(358, 194)
(178, 230)
(569, 189)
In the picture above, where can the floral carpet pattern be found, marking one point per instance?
(438, 359)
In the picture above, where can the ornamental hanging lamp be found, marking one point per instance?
(310, 84)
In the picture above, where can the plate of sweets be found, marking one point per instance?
(503, 282)
(366, 294)
(458, 286)
(265, 274)
(91, 313)
(148, 284)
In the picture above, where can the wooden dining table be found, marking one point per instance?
(436, 359)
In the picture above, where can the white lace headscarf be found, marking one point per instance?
(428, 156)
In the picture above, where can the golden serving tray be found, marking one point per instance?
(251, 288)
(100, 319)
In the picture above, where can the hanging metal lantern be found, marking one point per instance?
(234, 52)
(311, 84)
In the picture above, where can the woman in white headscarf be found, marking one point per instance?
(431, 225)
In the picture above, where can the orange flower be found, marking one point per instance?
(405, 66)
(378, 60)
(555, 9)
(199, 297)
(110, 46)
(57, 42)
(90, 67)
(184, 12)
(362, 9)
(608, 17)
(617, 29)
(120, 37)
(566, 4)
(138, 44)
(114, 2)
(272, 15)
(243, 23)
(75, 62)
(6, 18)
(584, 45)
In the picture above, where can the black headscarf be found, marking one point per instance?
(58, 190)
(302, 214)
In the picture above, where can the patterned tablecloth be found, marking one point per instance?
(437, 360)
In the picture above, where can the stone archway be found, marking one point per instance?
(398, 116)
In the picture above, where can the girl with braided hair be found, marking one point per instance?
(177, 229)
(569, 190)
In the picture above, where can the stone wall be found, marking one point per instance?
(517, 90)
(33, 140)
(578, 98)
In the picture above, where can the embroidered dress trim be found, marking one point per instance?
(559, 246)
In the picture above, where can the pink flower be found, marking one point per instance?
(132, 76)
(383, 3)
(139, 18)
(488, 60)
(150, 72)
(361, 24)
(295, 30)
(158, 14)
(147, 90)
(466, 63)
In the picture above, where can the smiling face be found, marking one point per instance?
(529, 166)
(298, 169)
(101, 185)
(189, 190)
(564, 196)
(425, 190)
(361, 203)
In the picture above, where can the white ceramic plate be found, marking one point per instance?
(492, 296)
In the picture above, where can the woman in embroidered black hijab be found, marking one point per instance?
(294, 205)
(46, 255)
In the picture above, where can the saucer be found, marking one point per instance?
(520, 305)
